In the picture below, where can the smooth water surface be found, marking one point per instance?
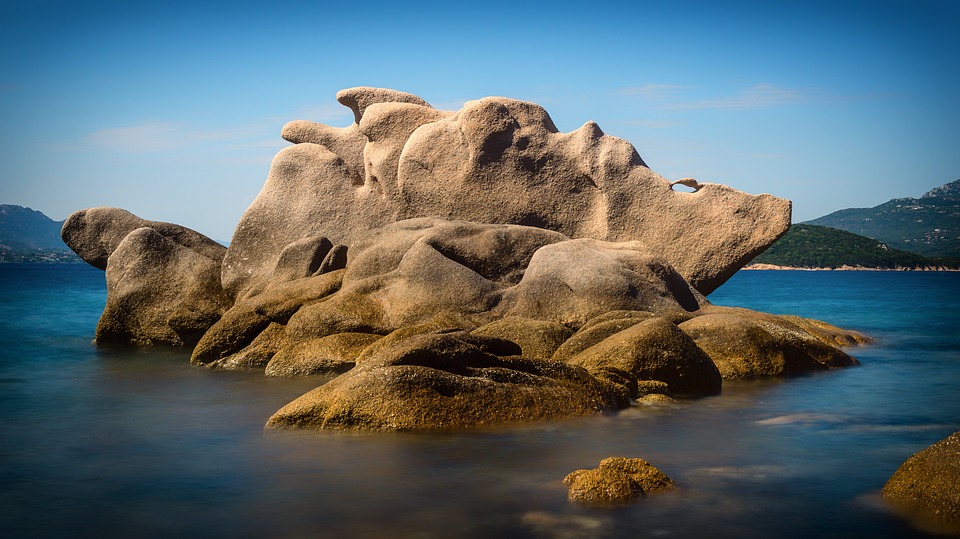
(110, 443)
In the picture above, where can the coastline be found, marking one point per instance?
(773, 267)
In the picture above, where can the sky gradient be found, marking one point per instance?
(173, 111)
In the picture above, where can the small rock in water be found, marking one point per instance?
(616, 480)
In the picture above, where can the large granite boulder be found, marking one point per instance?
(926, 488)
(653, 349)
(497, 160)
(159, 293)
(163, 280)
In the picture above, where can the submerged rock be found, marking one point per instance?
(926, 488)
(616, 480)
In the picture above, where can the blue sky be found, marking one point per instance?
(173, 110)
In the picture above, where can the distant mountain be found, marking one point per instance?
(812, 246)
(929, 225)
(27, 235)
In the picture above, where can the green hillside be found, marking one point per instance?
(27, 235)
(929, 225)
(811, 246)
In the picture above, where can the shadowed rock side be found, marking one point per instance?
(496, 160)
(159, 293)
(926, 488)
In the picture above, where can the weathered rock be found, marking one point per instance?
(95, 233)
(301, 259)
(468, 275)
(750, 344)
(461, 269)
(335, 353)
(255, 355)
(538, 339)
(497, 160)
(586, 278)
(616, 480)
(926, 488)
(244, 321)
(654, 349)
(438, 381)
(159, 293)
(597, 329)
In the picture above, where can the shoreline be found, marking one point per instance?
(773, 267)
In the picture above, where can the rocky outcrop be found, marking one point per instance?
(616, 480)
(163, 280)
(497, 160)
(459, 269)
(525, 284)
(926, 488)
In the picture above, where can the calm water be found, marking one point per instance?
(106, 443)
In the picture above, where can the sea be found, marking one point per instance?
(100, 442)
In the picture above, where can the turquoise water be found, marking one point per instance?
(113, 443)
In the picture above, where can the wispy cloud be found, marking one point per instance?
(155, 136)
(757, 96)
(144, 137)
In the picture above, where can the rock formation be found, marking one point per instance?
(458, 269)
(496, 160)
(926, 487)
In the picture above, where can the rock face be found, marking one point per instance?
(927, 486)
(459, 269)
(496, 160)
(616, 480)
